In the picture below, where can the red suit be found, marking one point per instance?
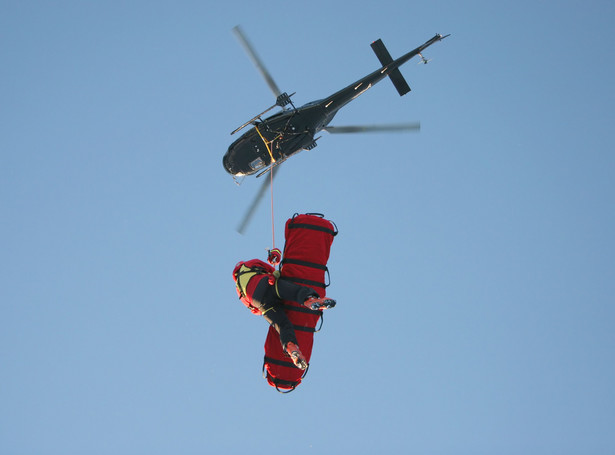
(260, 291)
(247, 281)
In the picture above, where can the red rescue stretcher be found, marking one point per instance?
(306, 252)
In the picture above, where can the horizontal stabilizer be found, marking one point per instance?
(385, 58)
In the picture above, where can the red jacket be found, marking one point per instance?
(247, 275)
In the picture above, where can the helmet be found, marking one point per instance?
(274, 257)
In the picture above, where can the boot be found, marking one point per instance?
(317, 303)
(295, 354)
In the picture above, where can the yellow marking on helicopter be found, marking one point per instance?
(266, 143)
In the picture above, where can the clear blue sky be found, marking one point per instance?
(474, 269)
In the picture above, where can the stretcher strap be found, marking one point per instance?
(304, 329)
(304, 263)
(281, 363)
(313, 227)
(288, 386)
(282, 383)
(307, 282)
(301, 309)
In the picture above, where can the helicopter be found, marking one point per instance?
(272, 140)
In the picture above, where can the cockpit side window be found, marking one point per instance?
(257, 164)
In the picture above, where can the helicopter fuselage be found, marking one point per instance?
(277, 137)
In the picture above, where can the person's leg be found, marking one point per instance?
(269, 304)
(303, 295)
(287, 290)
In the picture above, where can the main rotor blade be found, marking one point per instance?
(374, 128)
(256, 60)
(255, 202)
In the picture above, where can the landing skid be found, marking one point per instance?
(276, 163)
(312, 144)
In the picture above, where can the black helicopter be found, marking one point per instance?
(274, 139)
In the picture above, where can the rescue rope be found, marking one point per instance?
(270, 181)
(272, 218)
